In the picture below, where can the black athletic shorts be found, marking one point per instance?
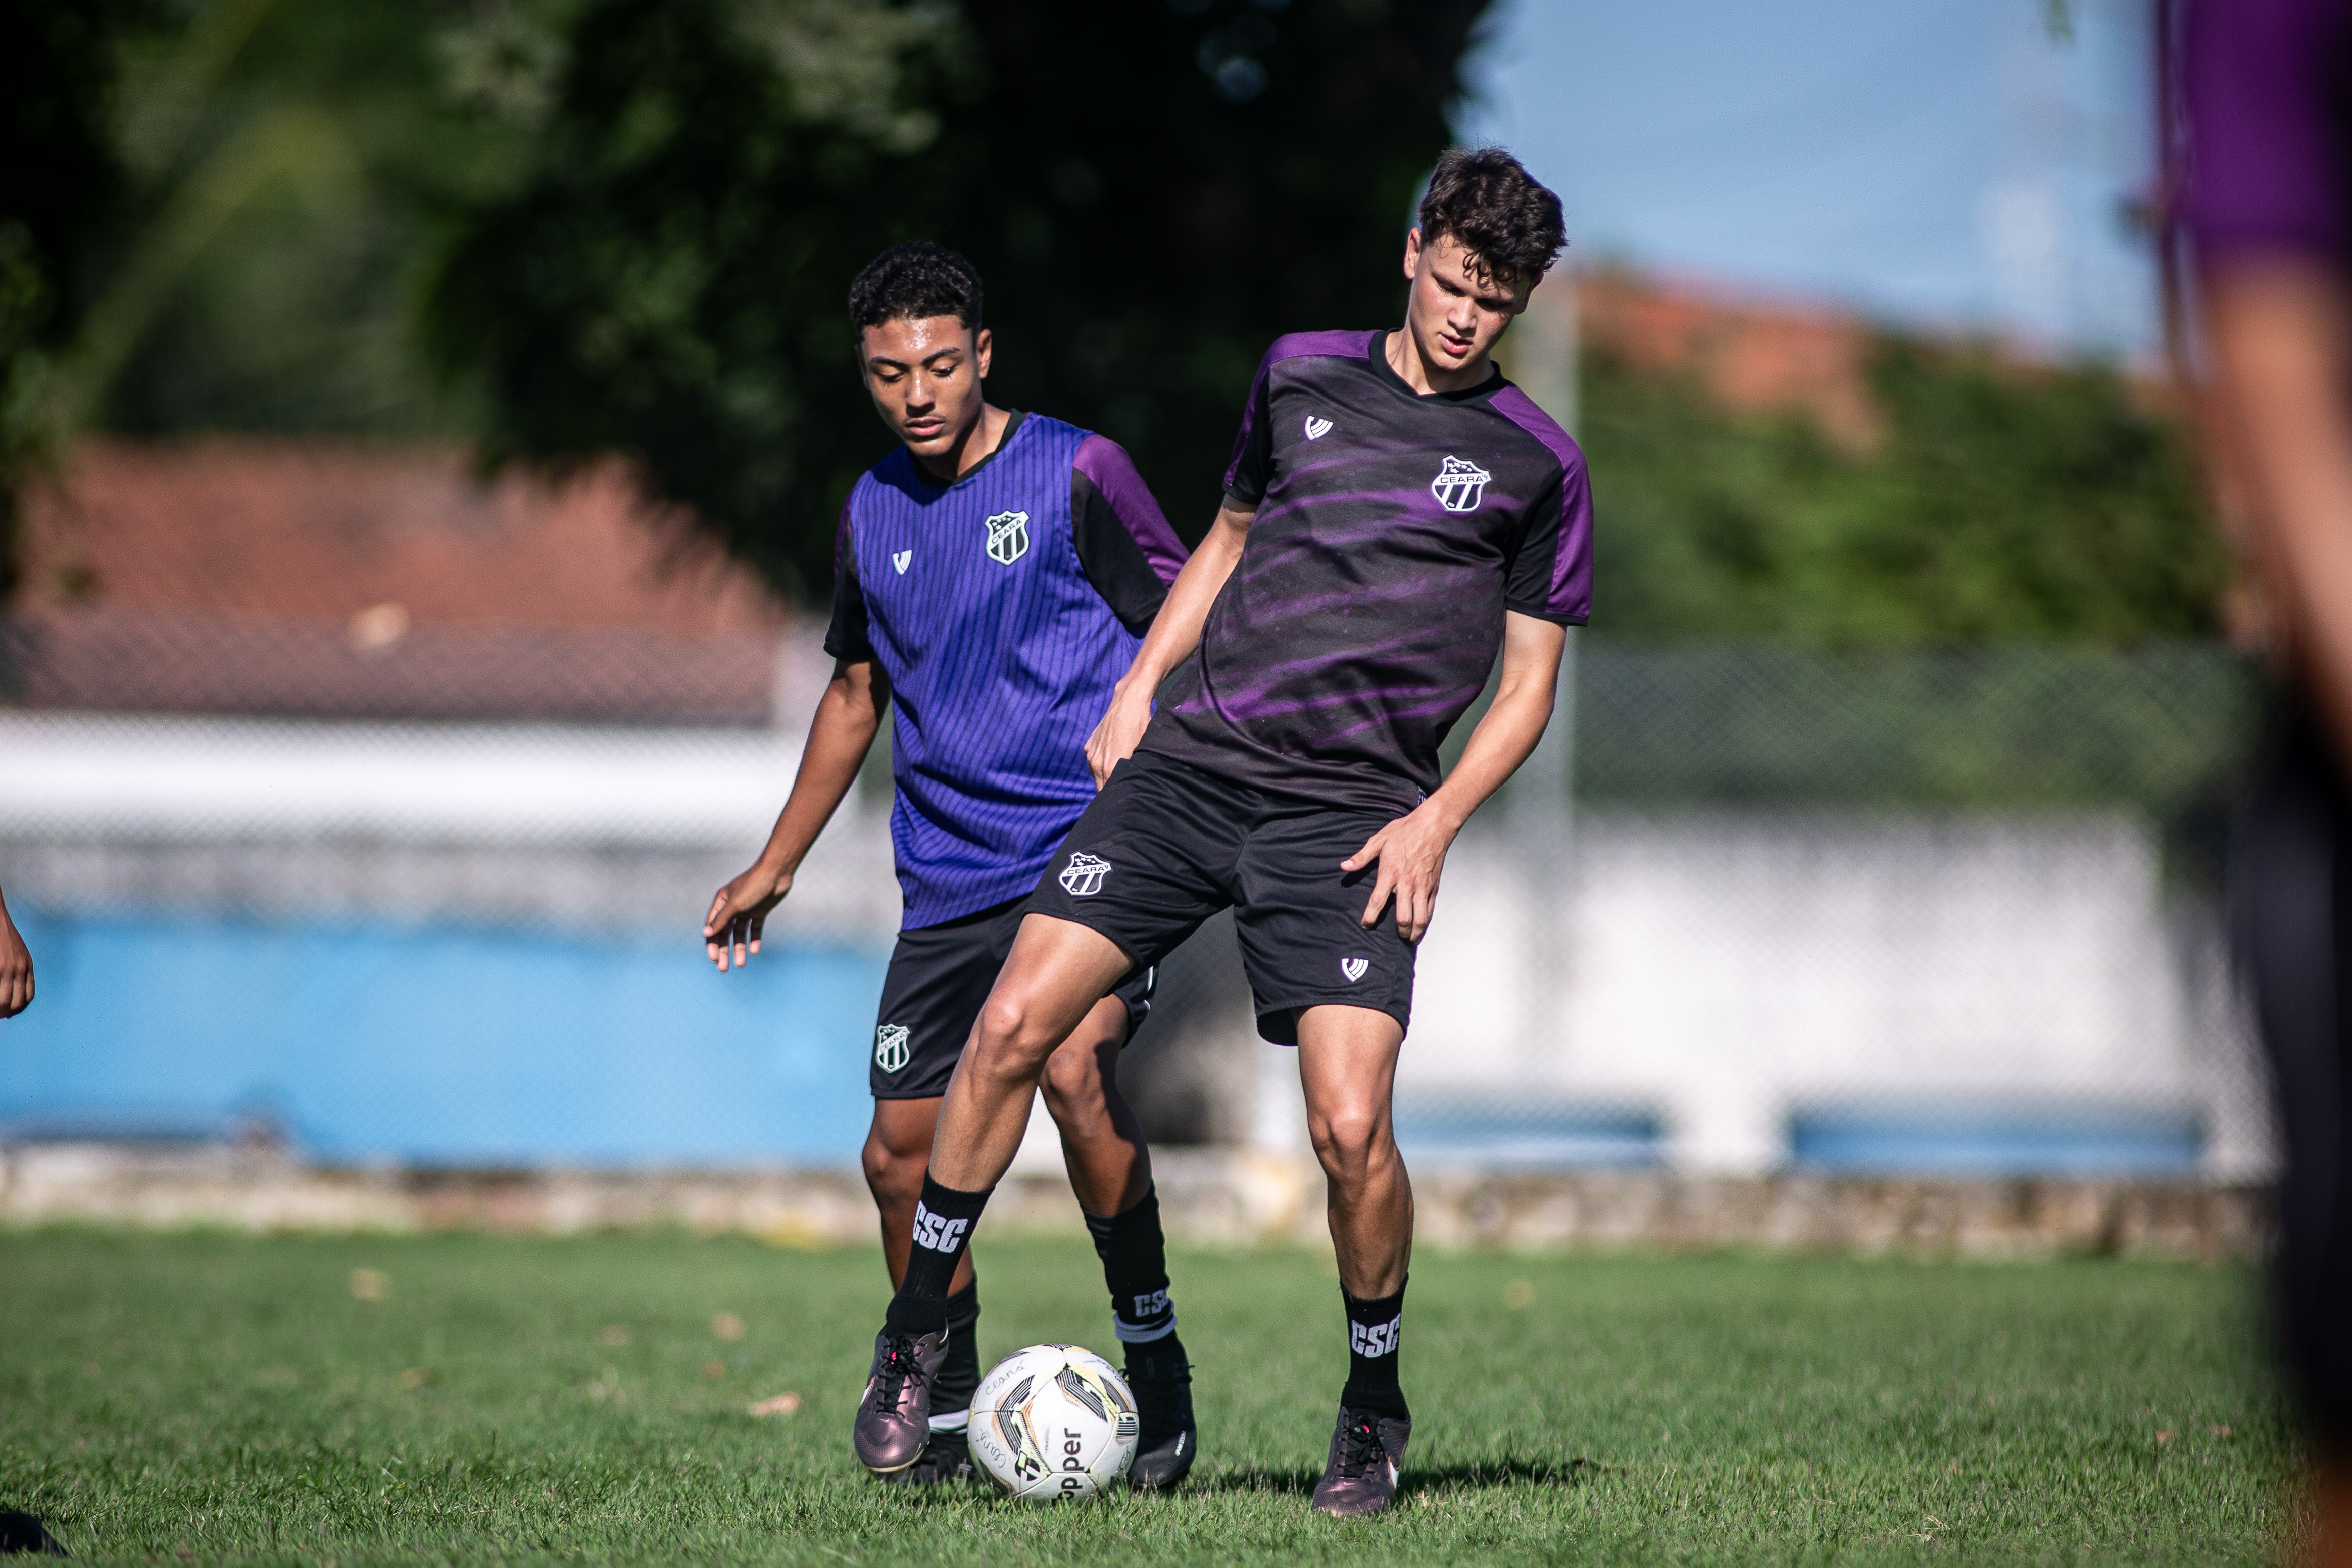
(1166, 846)
(937, 978)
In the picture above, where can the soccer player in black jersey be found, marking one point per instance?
(1397, 515)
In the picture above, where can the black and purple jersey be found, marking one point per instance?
(1393, 530)
(1003, 607)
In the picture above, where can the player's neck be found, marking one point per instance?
(1415, 369)
(971, 449)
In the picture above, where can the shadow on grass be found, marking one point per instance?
(1476, 1475)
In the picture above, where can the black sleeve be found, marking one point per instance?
(846, 638)
(1125, 546)
(1251, 469)
(1550, 574)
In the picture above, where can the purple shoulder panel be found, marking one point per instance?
(2262, 167)
(1572, 570)
(1107, 465)
(1292, 345)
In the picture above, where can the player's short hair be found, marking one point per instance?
(1494, 209)
(911, 282)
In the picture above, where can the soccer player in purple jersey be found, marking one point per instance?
(993, 577)
(2266, 199)
(1397, 514)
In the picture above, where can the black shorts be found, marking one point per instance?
(937, 978)
(1166, 846)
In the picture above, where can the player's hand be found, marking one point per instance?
(1412, 855)
(740, 913)
(16, 970)
(1114, 739)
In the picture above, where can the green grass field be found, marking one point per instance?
(209, 1396)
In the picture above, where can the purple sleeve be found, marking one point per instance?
(1251, 469)
(1107, 466)
(2263, 169)
(1551, 572)
(847, 637)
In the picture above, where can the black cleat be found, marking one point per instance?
(946, 1459)
(1360, 1476)
(1166, 1442)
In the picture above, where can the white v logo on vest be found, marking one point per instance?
(1318, 428)
(900, 558)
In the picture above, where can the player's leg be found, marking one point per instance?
(1347, 1064)
(2291, 896)
(937, 978)
(1342, 992)
(1056, 974)
(1124, 892)
(898, 1149)
(1111, 1171)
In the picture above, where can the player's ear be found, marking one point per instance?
(1412, 252)
(982, 344)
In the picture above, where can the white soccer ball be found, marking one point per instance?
(1053, 1423)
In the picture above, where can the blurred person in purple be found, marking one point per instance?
(993, 577)
(2263, 183)
(15, 968)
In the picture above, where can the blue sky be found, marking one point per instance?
(1944, 161)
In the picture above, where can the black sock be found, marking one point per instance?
(1373, 1329)
(1135, 1266)
(959, 1376)
(943, 1222)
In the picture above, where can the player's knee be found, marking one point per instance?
(1011, 1043)
(1348, 1139)
(1072, 1084)
(893, 1172)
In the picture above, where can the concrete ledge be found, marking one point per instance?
(1209, 1196)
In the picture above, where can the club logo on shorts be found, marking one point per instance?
(1460, 486)
(890, 1046)
(1353, 968)
(900, 558)
(1008, 537)
(1318, 428)
(1083, 877)
(1375, 1339)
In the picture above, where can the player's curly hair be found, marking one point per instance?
(1494, 209)
(909, 282)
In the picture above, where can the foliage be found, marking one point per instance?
(2002, 504)
(223, 1398)
(60, 183)
(1152, 192)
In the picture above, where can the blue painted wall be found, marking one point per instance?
(444, 1044)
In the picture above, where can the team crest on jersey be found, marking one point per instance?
(1460, 486)
(1353, 968)
(1083, 877)
(900, 560)
(890, 1046)
(1008, 537)
(1318, 428)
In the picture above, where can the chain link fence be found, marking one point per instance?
(434, 898)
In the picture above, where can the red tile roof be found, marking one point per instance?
(250, 576)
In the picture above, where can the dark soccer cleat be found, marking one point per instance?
(1360, 1476)
(894, 1419)
(1165, 1441)
(946, 1459)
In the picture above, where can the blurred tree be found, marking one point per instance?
(2003, 503)
(61, 185)
(1152, 192)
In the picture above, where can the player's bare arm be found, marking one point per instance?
(847, 718)
(1410, 851)
(2278, 325)
(15, 968)
(1170, 641)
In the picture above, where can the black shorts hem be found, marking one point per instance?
(1277, 1022)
